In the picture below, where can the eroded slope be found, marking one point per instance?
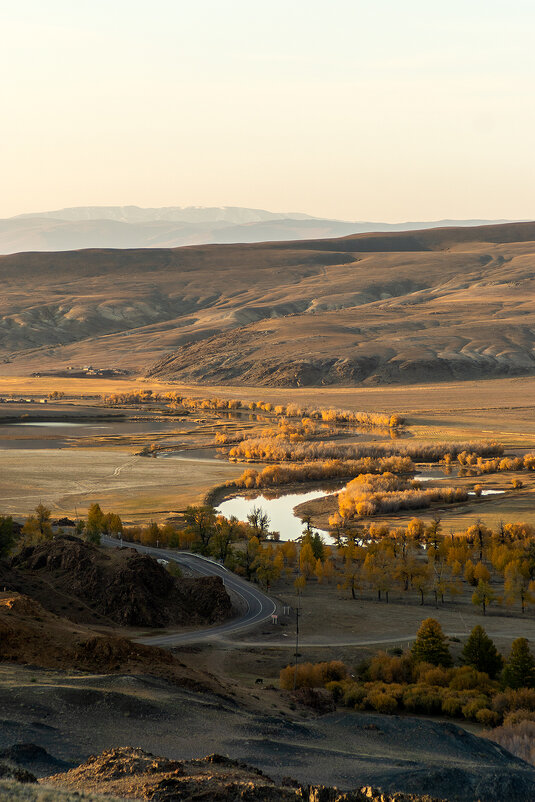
(372, 308)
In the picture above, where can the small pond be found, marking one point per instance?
(280, 511)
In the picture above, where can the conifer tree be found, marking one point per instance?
(430, 645)
(481, 653)
(519, 671)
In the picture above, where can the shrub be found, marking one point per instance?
(336, 689)
(362, 669)
(422, 699)
(355, 697)
(521, 699)
(452, 706)
(489, 718)
(312, 675)
(382, 702)
(473, 706)
(436, 676)
(467, 678)
(518, 739)
(511, 719)
(389, 668)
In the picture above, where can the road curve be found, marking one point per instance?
(258, 606)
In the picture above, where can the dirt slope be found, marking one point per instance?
(371, 308)
(76, 579)
(30, 635)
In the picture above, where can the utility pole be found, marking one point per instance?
(297, 614)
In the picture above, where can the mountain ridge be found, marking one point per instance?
(74, 228)
(373, 308)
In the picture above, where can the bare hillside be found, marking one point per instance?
(370, 308)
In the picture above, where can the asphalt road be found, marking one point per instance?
(258, 606)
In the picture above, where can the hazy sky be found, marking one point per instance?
(358, 109)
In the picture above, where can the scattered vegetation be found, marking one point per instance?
(370, 494)
(330, 415)
(423, 680)
(269, 449)
(276, 475)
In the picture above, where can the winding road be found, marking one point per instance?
(258, 606)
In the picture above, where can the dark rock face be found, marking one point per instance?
(33, 757)
(8, 772)
(126, 587)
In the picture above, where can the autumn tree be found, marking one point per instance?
(479, 534)
(379, 570)
(247, 557)
(483, 595)
(430, 645)
(266, 567)
(259, 521)
(113, 524)
(433, 534)
(226, 531)
(95, 523)
(480, 652)
(517, 583)
(201, 523)
(307, 561)
(38, 527)
(353, 559)
(421, 580)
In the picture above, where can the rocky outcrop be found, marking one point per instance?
(218, 778)
(120, 585)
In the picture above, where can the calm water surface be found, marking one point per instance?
(280, 510)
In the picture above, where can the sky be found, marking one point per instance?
(377, 110)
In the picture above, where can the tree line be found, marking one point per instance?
(485, 687)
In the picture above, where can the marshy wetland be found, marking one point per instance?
(154, 459)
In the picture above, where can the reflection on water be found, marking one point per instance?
(281, 508)
(280, 511)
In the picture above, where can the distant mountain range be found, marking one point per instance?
(173, 226)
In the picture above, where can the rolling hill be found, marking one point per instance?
(371, 308)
